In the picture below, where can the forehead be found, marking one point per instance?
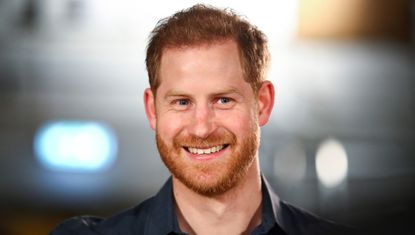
(218, 63)
(220, 52)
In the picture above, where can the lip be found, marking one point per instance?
(206, 157)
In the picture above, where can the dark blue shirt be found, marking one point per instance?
(157, 215)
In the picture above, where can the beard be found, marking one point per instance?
(212, 177)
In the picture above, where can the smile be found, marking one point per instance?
(201, 151)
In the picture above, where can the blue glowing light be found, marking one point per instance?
(75, 146)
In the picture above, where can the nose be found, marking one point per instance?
(202, 124)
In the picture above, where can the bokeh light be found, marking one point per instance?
(75, 146)
(331, 163)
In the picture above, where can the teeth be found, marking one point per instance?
(206, 151)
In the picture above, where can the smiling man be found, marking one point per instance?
(207, 100)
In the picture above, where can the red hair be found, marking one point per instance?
(201, 25)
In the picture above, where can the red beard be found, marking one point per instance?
(213, 177)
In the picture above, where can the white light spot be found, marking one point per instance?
(331, 163)
(75, 146)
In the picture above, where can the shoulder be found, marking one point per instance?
(77, 225)
(299, 221)
(130, 221)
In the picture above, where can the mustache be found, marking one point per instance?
(214, 139)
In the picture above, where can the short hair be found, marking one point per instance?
(207, 25)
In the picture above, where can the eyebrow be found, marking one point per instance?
(178, 93)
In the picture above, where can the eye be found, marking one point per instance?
(224, 100)
(182, 102)
(224, 103)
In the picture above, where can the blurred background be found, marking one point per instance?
(74, 138)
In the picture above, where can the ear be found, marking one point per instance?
(149, 103)
(266, 95)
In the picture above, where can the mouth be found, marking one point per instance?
(205, 151)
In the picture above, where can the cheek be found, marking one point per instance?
(239, 123)
(168, 126)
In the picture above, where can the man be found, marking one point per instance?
(207, 100)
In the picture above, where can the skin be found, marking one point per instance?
(202, 94)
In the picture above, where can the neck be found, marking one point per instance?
(228, 213)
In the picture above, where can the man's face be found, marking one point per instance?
(206, 117)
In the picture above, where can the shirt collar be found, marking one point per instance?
(163, 215)
(271, 208)
(164, 219)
